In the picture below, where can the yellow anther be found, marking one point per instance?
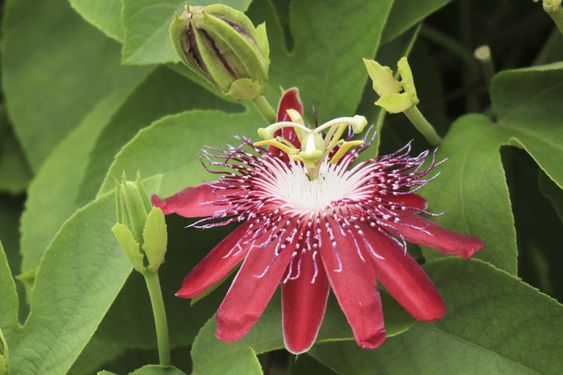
(344, 149)
(277, 144)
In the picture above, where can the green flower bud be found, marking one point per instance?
(3, 355)
(222, 46)
(395, 96)
(141, 228)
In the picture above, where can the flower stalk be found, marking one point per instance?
(264, 108)
(159, 313)
(483, 55)
(141, 233)
(422, 125)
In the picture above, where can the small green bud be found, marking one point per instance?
(141, 228)
(394, 95)
(3, 355)
(222, 46)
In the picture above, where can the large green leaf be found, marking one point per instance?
(9, 298)
(472, 190)
(53, 192)
(496, 324)
(104, 14)
(172, 146)
(324, 64)
(211, 356)
(146, 24)
(163, 92)
(80, 275)
(49, 55)
(528, 104)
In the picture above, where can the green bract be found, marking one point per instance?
(222, 45)
(141, 228)
(395, 95)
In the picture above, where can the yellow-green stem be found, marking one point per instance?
(422, 125)
(265, 109)
(159, 314)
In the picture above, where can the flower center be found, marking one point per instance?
(293, 187)
(315, 145)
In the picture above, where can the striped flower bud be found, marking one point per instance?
(222, 46)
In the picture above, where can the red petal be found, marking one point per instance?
(251, 291)
(190, 202)
(304, 305)
(403, 277)
(289, 100)
(413, 201)
(426, 233)
(215, 266)
(355, 289)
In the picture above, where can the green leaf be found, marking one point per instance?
(528, 104)
(9, 298)
(181, 137)
(146, 25)
(495, 324)
(104, 14)
(162, 93)
(80, 275)
(46, 65)
(53, 191)
(326, 67)
(473, 191)
(159, 370)
(211, 356)
(406, 14)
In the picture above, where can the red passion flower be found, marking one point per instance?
(314, 221)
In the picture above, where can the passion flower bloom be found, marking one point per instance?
(314, 221)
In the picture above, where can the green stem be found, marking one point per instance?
(159, 314)
(422, 125)
(265, 109)
(557, 17)
(483, 55)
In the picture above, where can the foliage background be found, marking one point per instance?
(92, 88)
